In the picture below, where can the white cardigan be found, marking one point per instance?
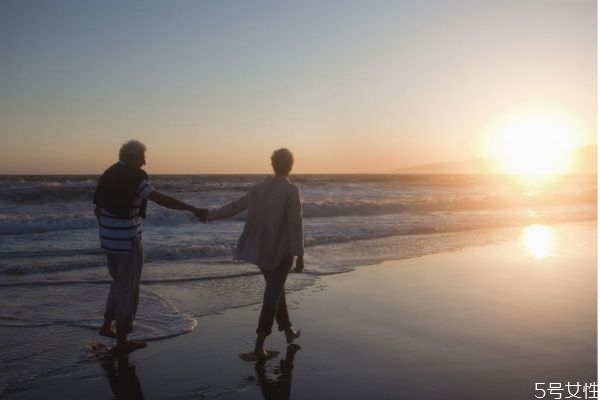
(273, 229)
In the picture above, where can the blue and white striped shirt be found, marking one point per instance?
(118, 233)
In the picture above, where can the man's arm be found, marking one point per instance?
(174, 204)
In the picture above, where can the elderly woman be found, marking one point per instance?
(272, 236)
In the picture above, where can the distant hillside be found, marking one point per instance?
(585, 161)
(481, 165)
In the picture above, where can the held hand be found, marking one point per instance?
(201, 214)
(299, 264)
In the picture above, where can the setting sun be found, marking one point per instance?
(534, 143)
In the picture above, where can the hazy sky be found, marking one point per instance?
(349, 86)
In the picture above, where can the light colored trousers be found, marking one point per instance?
(122, 301)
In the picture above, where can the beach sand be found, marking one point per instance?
(485, 322)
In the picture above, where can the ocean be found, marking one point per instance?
(53, 275)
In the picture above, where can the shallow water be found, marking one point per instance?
(54, 279)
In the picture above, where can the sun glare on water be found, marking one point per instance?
(534, 143)
(538, 241)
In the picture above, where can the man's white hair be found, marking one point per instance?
(282, 160)
(130, 149)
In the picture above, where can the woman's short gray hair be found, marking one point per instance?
(132, 148)
(282, 160)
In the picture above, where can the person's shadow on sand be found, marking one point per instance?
(279, 388)
(122, 377)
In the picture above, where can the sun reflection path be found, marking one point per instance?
(539, 241)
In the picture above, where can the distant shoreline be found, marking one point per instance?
(302, 174)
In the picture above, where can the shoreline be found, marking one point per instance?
(478, 322)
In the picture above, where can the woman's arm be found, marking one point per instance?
(229, 210)
(295, 225)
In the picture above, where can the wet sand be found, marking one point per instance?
(486, 322)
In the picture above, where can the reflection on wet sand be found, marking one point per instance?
(122, 377)
(276, 384)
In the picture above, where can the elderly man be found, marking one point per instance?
(272, 236)
(120, 197)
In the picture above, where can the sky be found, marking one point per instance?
(349, 86)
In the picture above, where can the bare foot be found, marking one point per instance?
(259, 347)
(291, 334)
(260, 353)
(107, 332)
(259, 357)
